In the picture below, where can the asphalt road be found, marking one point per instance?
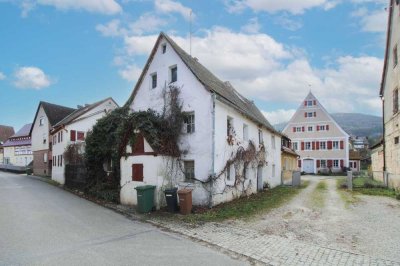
(44, 225)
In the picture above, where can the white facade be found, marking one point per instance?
(61, 139)
(207, 146)
(322, 144)
(40, 132)
(18, 155)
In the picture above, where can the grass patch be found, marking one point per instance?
(246, 207)
(318, 195)
(347, 197)
(368, 186)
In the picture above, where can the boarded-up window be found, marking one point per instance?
(139, 144)
(137, 172)
(73, 135)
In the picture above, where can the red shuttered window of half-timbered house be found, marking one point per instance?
(318, 163)
(73, 135)
(341, 144)
(302, 146)
(137, 172)
(327, 127)
(329, 145)
(305, 103)
(317, 128)
(315, 114)
(317, 145)
(139, 144)
(330, 163)
(313, 145)
(303, 129)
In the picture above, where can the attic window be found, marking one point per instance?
(41, 121)
(309, 103)
(395, 58)
(164, 48)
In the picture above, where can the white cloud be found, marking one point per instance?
(111, 29)
(2, 76)
(108, 7)
(147, 23)
(273, 6)
(371, 21)
(279, 116)
(252, 26)
(288, 23)
(31, 78)
(169, 6)
(130, 72)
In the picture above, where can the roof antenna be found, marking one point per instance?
(190, 31)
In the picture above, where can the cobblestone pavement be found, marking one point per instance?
(270, 249)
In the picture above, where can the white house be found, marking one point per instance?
(72, 129)
(219, 123)
(321, 143)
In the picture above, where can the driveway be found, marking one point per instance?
(43, 225)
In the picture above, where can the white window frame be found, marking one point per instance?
(310, 127)
(335, 164)
(308, 114)
(170, 73)
(306, 144)
(322, 128)
(41, 121)
(295, 145)
(230, 126)
(260, 137)
(335, 145)
(190, 123)
(152, 75)
(191, 173)
(322, 164)
(298, 129)
(324, 144)
(245, 132)
(309, 103)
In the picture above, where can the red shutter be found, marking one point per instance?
(315, 114)
(330, 163)
(137, 172)
(302, 146)
(80, 135)
(341, 144)
(329, 145)
(313, 145)
(318, 163)
(305, 114)
(305, 103)
(303, 129)
(317, 145)
(73, 135)
(299, 163)
(327, 127)
(294, 129)
(315, 102)
(317, 128)
(341, 163)
(139, 144)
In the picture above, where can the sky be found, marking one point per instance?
(72, 52)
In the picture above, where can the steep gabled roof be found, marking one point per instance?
(388, 38)
(79, 112)
(223, 90)
(23, 132)
(6, 132)
(53, 112)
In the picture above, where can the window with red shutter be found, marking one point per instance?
(341, 144)
(137, 172)
(329, 145)
(317, 128)
(299, 163)
(315, 114)
(327, 127)
(302, 146)
(315, 102)
(139, 144)
(80, 135)
(73, 135)
(303, 129)
(317, 145)
(305, 103)
(330, 162)
(294, 129)
(305, 114)
(318, 163)
(313, 145)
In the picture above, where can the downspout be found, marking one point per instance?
(210, 204)
(383, 137)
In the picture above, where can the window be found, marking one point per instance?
(309, 103)
(188, 170)
(260, 137)
(41, 121)
(230, 173)
(396, 140)
(308, 146)
(310, 128)
(137, 172)
(44, 139)
(61, 160)
(335, 145)
(164, 48)
(322, 145)
(189, 123)
(245, 132)
(62, 133)
(395, 101)
(323, 163)
(298, 129)
(395, 58)
(351, 164)
(174, 74)
(80, 135)
(72, 135)
(45, 157)
(154, 80)
(273, 142)
(336, 163)
(229, 126)
(59, 137)
(321, 128)
(295, 146)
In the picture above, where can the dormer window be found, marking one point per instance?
(174, 73)
(164, 48)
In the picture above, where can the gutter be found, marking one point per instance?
(383, 138)
(213, 97)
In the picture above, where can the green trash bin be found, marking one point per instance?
(145, 198)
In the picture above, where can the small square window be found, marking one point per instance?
(189, 123)
(164, 48)
(310, 128)
(174, 74)
(188, 170)
(309, 103)
(396, 140)
(154, 80)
